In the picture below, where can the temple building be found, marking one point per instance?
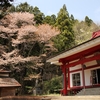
(80, 65)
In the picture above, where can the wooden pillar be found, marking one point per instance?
(68, 78)
(64, 91)
(83, 75)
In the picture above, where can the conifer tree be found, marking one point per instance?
(66, 39)
(24, 7)
(51, 20)
(88, 21)
(4, 4)
(38, 15)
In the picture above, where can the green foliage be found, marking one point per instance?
(24, 7)
(38, 15)
(5, 3)
(72, 19)
(2, 14)
(72, 32)
(53, 85)
(12, 9)
(88, 21)
(28, 49)
(4, 41)
(83, 32)
(66, 39)
(36, 49)
(19, 24)
(51, 20)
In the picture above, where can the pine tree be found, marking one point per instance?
(51, 20)
(4, 5)
(66, 39)
(72, 18)
(88, 21)
(24, 7)
(39, 16)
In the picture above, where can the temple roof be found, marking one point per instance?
(9, 82)
(96, 34)
(79, 50)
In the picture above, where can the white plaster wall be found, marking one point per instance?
(79, 66)
(71, 83)
(75, 67)
(87, 74)
(95, 68)
(90, 63)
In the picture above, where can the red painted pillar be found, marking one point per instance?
(64, 91)
(83, 76)
(68, 78)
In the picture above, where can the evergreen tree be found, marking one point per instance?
(72, 19)
(24, 7)
(66, 39)
(4, 5)
(39, 16)
(47, 19)
(12, 9)
(88, 21)
(51, 20)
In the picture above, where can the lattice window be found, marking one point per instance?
(76, 79)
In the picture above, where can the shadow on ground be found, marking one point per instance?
(25, 98)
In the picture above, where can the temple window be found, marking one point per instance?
(76, 79)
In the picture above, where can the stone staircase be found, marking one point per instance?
(89, 91)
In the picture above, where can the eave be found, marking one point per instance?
(70, 55)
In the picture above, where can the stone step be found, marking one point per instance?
(91, 91)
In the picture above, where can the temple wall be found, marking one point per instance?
(75, 68)
(71, 82)
(87, 73)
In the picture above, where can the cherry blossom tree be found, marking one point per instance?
(23, 45)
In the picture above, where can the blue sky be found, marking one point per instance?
(79, 8)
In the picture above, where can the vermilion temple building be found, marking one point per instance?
(80, 65)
